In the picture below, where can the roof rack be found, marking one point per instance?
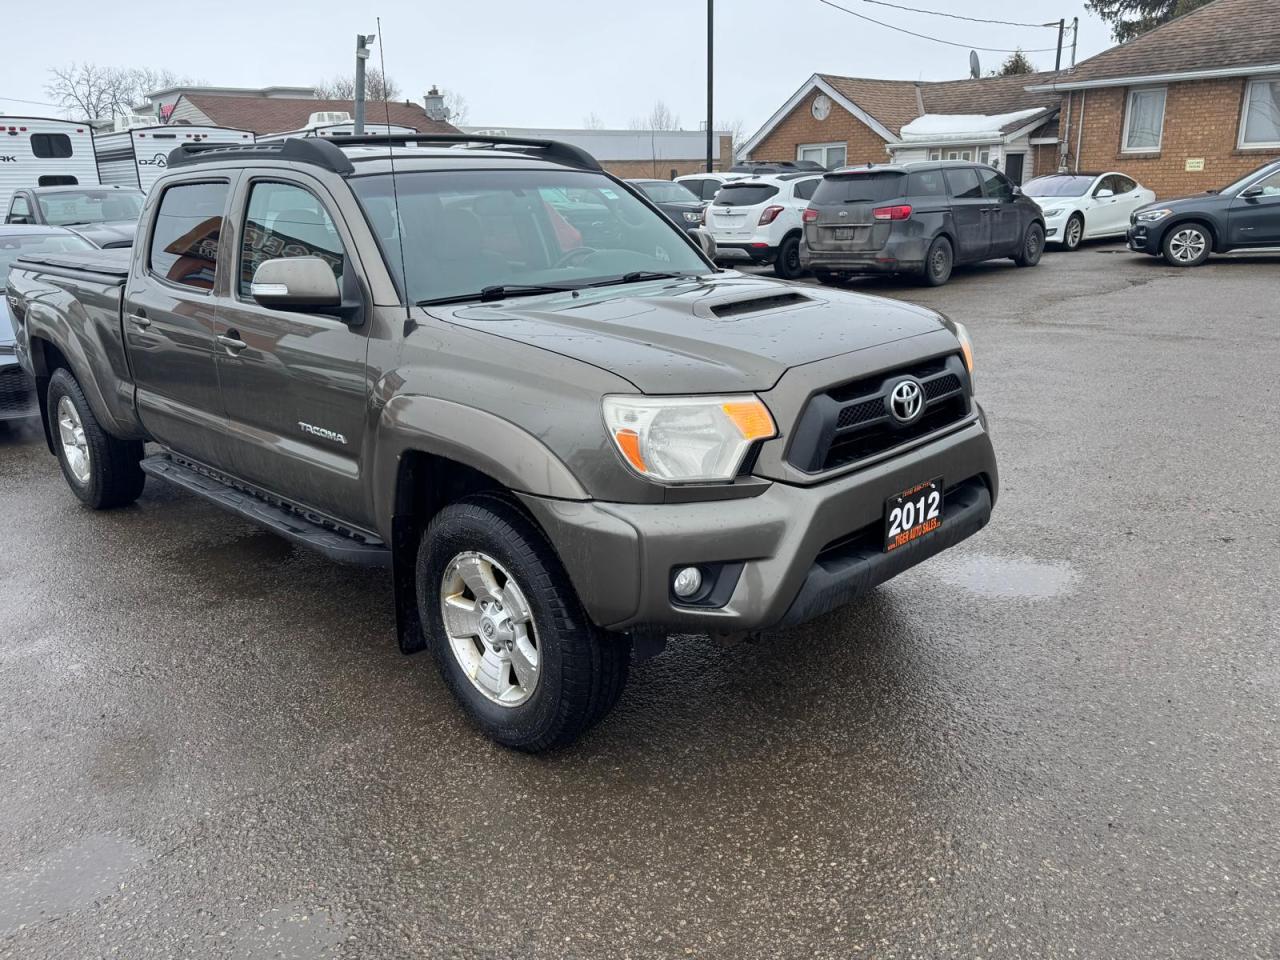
(326, 152)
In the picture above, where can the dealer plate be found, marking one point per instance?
(912, 514)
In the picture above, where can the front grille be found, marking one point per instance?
(17, 393)
(852, 422)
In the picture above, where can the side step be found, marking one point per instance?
(290, 524)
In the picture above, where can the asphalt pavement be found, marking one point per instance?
(1061, 739)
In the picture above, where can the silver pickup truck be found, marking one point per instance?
(501, 373)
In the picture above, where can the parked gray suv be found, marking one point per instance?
(564, 440)
(918, 218)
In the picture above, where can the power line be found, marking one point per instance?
(925, 36)
(34, 103)
(957, 16)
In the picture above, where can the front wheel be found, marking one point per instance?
(1073, 232)
(507, 629)
(1032, 247)
(1187, 245)
(103, 471)
(787, 266)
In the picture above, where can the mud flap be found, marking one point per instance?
(405, 533)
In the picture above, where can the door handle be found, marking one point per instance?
(232, 343)
(139, 320)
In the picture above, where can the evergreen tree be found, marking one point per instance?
(1132, 18)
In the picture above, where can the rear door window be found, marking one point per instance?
(184, 240)
(1123, 184)
(860, 188)
(964, 184)
(51, 146)
(926, 183)
(996, 185)
(746, 194)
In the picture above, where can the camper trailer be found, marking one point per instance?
(42, 152)
(332, 123)
(136, 156)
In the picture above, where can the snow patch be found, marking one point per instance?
(963, 126)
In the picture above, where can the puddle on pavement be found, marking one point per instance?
(66, 880)
(292, 932)
(1008, 578)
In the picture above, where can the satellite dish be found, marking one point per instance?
(975, 67)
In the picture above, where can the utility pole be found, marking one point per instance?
(711, 23)
(1057, 63)
(1075, 35)
(362, 54)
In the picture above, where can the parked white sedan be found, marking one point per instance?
(1082, 206)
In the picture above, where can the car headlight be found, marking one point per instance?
(687, 439)
(1055, 212)
(1151, 216)
(966, 346)
(693, 216)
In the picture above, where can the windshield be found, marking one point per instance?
(71, 207)
(1058, 185)
(860, 188)
(15, 245)
(467, 230)
(1246, 179)
(663, 191)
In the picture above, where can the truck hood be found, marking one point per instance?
(113, 233)
(718, 334)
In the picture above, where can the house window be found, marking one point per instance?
(1261, 124)
(1144, 120)
(935, 154)
(965, 154)
(830, 155)
(984, 155)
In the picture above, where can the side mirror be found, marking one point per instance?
(1104, 193)
(1252, 192)
(296, 283)
(706, 241)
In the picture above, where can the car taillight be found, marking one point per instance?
(810, 215)
(770, 214)
(900, 212)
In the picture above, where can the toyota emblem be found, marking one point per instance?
(906, 401)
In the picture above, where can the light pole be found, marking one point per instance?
(710, 80)
(362, 54)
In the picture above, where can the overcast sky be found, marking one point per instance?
(537, 62)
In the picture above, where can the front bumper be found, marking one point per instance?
(17, 391)
(795, 552)
(1143, 238)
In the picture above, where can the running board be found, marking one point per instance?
(290, 524)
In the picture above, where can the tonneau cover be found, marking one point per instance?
(106, 264)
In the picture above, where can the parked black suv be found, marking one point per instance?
(918, 218)
(1241, 215)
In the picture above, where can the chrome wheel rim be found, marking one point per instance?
(75, 448)
(1187, 245)
(1073, 232)
(490, 628)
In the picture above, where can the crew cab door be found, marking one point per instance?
(1255, 220)
(170, 315)
(294, 384)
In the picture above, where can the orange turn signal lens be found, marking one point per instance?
(629, 444)
(751, 417)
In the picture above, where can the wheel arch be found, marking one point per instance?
(1199, 220)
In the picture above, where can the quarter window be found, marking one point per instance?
(51, 146)
(926, 183)
(284, 220)
(184, 240)
(1122, 184)
(1261, 124)
(804, 189)
(964, 183)
(1144, 120)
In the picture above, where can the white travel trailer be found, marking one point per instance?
(42, 152)
(136, 157)
(335, 124)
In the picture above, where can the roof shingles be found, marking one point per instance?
(264, 115)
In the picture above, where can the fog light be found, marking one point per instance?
(687, 582)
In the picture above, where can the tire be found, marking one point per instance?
(1032, 246)
(573, 671)
(787, 265)
(828, 278)
(938, 263)
(1073, 233)
(1187, 245)
(102, 471)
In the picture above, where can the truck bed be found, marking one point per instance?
(104, 265)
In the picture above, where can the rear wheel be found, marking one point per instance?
(787, 266)
(1187, 245)
(828, 277)
(938, 262)
(507, 630)
(1032, 246)
(102, 471)
(1073, 232)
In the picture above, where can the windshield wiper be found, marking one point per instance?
(636, 276)
(500, 292)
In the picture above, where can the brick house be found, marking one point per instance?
(1187, 107)
(852, 120)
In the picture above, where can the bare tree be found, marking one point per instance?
(592, 122)
(455, 105)
(733, 128)
(99, 93)
(343, 87)
(659, 118)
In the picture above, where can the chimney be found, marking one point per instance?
(434, 104)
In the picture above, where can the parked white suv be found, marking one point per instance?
(705, 186)
(758, 219)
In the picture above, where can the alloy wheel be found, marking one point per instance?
(1187, 245)
(490, 628)
(74, 445)
(1074, 231)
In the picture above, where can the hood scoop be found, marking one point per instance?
(738, 308)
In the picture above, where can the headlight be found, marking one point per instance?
(687, 439)
(966, 347)
(1151, 216)
(1055, 212)
(693, 216)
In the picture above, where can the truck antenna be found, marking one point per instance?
(395, 193)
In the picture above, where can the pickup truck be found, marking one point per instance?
(565, 443)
